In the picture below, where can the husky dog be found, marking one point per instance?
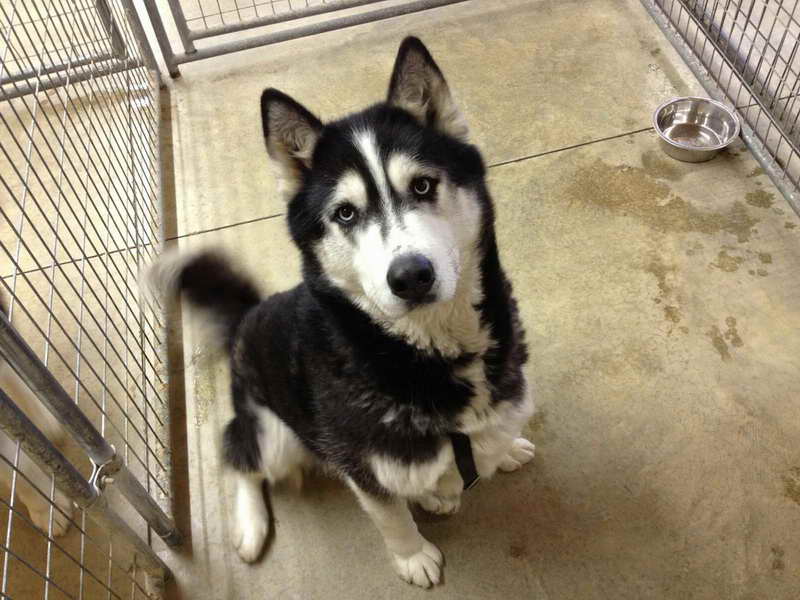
(397, 363)
(33, 486)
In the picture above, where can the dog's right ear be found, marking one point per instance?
(291, 133)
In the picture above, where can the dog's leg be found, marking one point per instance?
(414, 558)
(446, 498)
(252, 517)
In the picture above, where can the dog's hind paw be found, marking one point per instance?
(521, 452)
(423, 568)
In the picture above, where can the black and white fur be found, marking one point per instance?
(363, 368)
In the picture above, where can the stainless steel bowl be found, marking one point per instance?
(695, 129)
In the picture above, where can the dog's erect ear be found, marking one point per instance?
(418, 86)
(291, 133)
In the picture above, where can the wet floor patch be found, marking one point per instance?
(760, 198)
(633, 192)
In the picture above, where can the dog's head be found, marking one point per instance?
(387, 204)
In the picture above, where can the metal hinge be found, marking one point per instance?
(103, 473)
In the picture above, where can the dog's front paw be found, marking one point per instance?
(521, 452)
(249, 539)
(440, 505)
(423, 568)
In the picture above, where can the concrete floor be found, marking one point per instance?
(661, 300)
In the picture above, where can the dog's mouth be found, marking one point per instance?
(427, 299)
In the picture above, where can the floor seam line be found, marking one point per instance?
(221, 227)
(132, 248)
(564, 148)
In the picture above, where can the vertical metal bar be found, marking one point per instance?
(117, 44)
(10, 524)
(180, 24)
(161, 38)
(141, 38)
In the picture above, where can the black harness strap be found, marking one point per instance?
(462, 449)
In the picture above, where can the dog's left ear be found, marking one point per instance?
(418, 86)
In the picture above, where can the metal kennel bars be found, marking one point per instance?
(207, 20)
(80, 214)
(745, 53)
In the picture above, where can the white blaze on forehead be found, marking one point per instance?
(402, 168)
(368, 147)
(351, 188)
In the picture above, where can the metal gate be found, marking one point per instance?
(80, 212)
(745, 53)
(208, 20)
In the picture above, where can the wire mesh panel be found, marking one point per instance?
(748, 52)
(79, 216)
(200, 20)
(205, 14)
(94, 36)
(85, 563)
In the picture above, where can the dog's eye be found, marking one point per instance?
(346, 214)
(423, 187)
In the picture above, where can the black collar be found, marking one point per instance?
(462, 449)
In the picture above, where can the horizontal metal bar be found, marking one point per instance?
(71, 78)
(41, 381)
(750, 137)
(30, 74)
(69, 480)
(313, 29)
(130, 487)
(284, 17)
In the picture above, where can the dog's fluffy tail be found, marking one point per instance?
(210, 282)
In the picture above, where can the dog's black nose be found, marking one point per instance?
(411, 277)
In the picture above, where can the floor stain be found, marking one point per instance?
(517, 550)
(661, 167)
(731, 334)
(765, 257)
(790, 225)
(791, 484)
(727, 262)
(778, 563)
(760, 198)
(633, 192)
(684, 330)
(538, 420)
(719, 342)
(672, 313)
(694, 249)
(756, 172)
(658, 269)
(762, 272)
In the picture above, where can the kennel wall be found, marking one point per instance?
(80, 213)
